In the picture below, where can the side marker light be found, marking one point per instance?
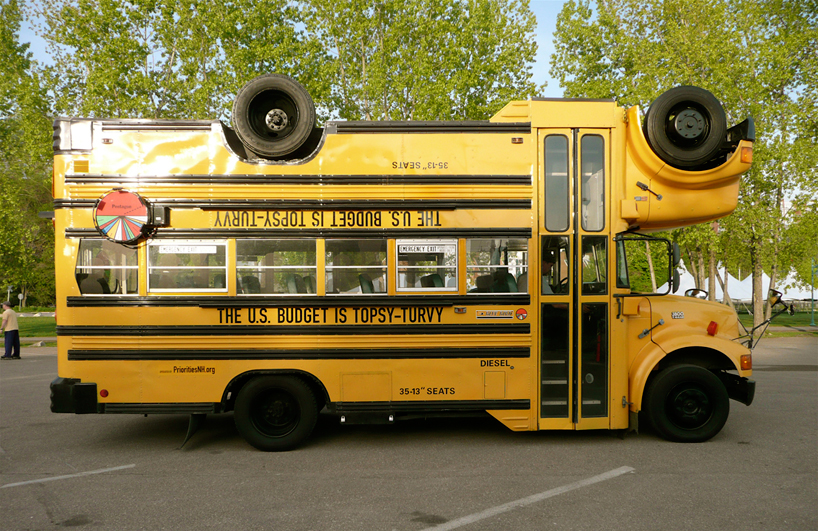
(103, 393)
(747, 155)
(712, 328)
(746, 362)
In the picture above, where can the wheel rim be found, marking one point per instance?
(689, 407)
(272, 115)
(275, 413)
(687, 125)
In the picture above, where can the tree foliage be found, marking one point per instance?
(172, 58)
(758, 58)
(422, 60)
(26, 241)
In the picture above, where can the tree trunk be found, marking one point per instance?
(758, 296)
(773, 285)
(727, 299)
(711, 284)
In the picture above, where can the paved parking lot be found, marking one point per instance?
(127, 472)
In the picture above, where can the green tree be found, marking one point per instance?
(171, 58)
(422, 60)
(26, 241)
(757, 57)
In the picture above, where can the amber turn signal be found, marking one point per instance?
(746, 362)
(747, 155)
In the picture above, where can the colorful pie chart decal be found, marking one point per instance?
(121, 215)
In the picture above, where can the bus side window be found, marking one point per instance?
(106, 268)
(497, 265)
(275, 267)
(428, 265)
(356, 266)
(187, 265)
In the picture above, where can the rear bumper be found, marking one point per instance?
(739, 389)
(71, 395)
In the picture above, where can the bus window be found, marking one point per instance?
(556, 183)
(594, 265)
(356, 266)
(497, 265)
(175, 265)
(427, 265)
(106, 268)
(555, 265)
(275, 267)
(593, 183)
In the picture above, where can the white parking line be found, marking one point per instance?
(522, 502)
(101, 471)
(49, 375)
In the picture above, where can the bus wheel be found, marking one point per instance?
(273, 115)
(686, 403)
(685, 127)
(275, 413)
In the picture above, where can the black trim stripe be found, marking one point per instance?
(434, 127)
(312, 354)
(181, 408)
(137, 124)
(163, 233)
(214, 180)
(340, 301)
(297, 330)
(337, 407)
(322, 204)
(424, 405)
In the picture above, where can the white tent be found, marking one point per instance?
(742, 290)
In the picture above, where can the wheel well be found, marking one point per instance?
(706, 358)
(235, 385)
(703, 357)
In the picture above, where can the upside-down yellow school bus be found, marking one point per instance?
(392, 269)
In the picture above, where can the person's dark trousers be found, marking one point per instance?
(12, 344)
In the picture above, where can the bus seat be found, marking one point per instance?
(366, 284)
(295, 284)
(504, 282)
(250, 284)
(219, 281)
(309, 284)
(483, 284)
(431, 281)
(90, 285)
(522, 283)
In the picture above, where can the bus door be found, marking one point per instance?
(574, 293)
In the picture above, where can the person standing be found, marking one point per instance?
(12, 332)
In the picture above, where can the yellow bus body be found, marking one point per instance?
(429, 350)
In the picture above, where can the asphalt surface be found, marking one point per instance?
(127, 472)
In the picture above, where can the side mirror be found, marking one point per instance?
(677, 255)
(696, 293)
(676, 281)
(774, 297)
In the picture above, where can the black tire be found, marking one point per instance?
(685, 127)
(273, 115)
(275, 413)
(686, 403)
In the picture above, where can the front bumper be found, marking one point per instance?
(71, 395)
(739, 389)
